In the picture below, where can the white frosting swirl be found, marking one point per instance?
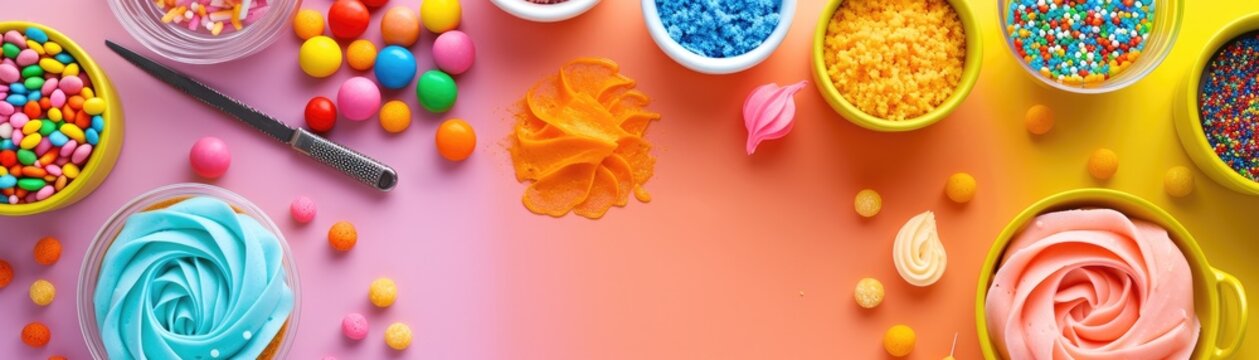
(918, 253)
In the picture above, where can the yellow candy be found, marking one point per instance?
(52, 65)
(398, 336)
(899, 341)
(70, 170)
(395, 116)
(39, 49)
(71, 70)
(94, 106)
(31, 141)
(32, 127)
(869, 293)
(308, 23)
(361, 54)
(1103, 164)
(52, 48)
(1178, 181)
(87, 93)
(1039, 119)
(73, 132)
(4, 171)
(440, 16)
(383, 292)
(960, 188)
(42, 292)
(320, 56)
(54, 114)
(868, 203)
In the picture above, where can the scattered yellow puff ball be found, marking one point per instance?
(899, 340)
(868, 203)
(895, 59)
(1178, 181)
(307, 23)
(1103, 164)
(869, 293)
(395, 116)
(960, 188)
(342, 236)
(42, 292)
(1039, 120)
(361, 54)
(383, 292)
(398, 336)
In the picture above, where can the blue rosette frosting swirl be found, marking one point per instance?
(195, 280)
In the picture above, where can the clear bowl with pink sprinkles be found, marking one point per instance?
(205, 31)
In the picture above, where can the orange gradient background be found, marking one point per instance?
(755, 257)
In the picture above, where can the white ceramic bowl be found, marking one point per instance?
(545, 12)
(711, 65)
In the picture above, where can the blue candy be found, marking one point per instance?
(92, 137)
(17, 88)
(57, 139)
(395, 67)
(98, 123)
(33, 96)
(64, 58)
(7, 181)
(7, 144)
(34, 33)
(16, 99)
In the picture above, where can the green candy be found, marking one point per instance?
(11, 51)
(47, 127)
(32, 71)
(26, 157)
(436, 91)
(31, 184)
(34, 83)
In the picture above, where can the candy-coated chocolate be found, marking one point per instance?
(455, 140)
(361, 54)
(454, 52)
(395, 116)
(307, 23)
(400, 26)
(358, 99)
(319, 56)
(395, 67)
(321, 114)
(348, 18)
(440, 16)
(210, 157)
(436, 91)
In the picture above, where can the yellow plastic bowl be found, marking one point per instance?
(106, 151)
(1209, 284)
(970, 73)
(1189, 124)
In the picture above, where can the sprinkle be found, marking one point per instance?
(1228, 104)
(1079, 42)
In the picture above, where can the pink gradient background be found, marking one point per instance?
(736, 258)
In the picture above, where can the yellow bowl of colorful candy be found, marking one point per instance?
(850, 111)
(1222, 326)
(78, 179)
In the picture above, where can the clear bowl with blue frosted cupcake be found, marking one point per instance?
(718, 37)
(189, 271)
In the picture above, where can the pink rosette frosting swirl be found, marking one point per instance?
(1092, 284)
(769, 113)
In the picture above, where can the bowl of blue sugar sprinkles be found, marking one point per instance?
(718, 36)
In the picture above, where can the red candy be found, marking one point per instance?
(348, 19)
(375, 3)
(321, 114)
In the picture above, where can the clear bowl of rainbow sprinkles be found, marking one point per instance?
(189, 271)
(61, 122)
(718, 37)
(205, 31)
(1089, 46)
(1217, 108)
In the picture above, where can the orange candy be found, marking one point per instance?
(455, 140)
(6, 273)
(36, 334)
(579, 141)
(342, 236)
(47, 250)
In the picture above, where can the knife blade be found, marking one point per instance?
(361, 167)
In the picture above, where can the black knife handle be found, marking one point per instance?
(350, 162)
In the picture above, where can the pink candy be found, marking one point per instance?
(209, 157)
(44, 193)
(9, 73)
(58, 98)
(80, 154)
(358, 99)
(354, 326)
(303, 209)
(71, 85)
(49, 86)
(15, 37)
(27, 57)
(67, 149)
(454, 52)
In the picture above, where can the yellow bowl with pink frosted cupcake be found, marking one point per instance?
(1103, 274)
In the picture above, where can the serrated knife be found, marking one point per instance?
(356, 165)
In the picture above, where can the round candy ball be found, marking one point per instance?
(210, 157)
(436, 91)
(1039, 120)
(375, 3)
(400, 26)
(456, 140)
(398, 336)
(1103, 163)
(868, 203)
(342, 236)
(869, 293)
(307, 23)
(395, 67)
(454, 52)
(960, 188)
(899, 340)
(43, 292)
(348, 18)
(47, 250)
(320, 56)
(354, 326)
(321, 114)
(395, 116)
(1178, 181)
(361, 54)
(303, 210)
(358, 98)
(383, 292)
(36, 334)
(6, 273)
(440, 16)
